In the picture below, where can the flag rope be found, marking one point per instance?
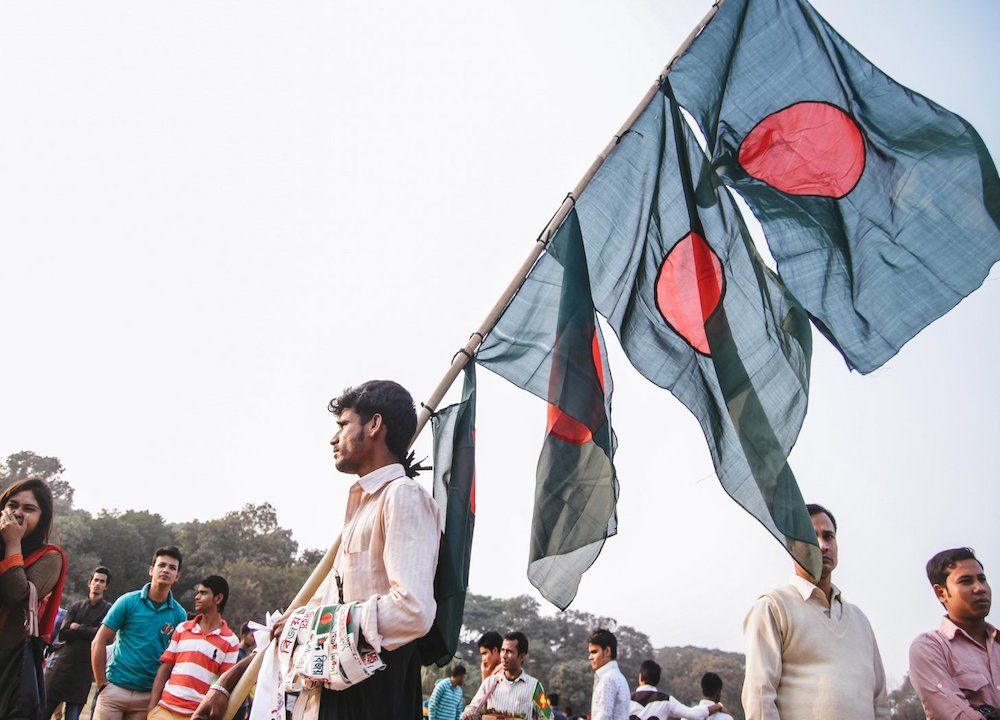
(468, 351)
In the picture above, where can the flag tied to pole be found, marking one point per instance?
(880, 207)
(454, 492)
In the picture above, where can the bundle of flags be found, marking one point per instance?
(881, 209)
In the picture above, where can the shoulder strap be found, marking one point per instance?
(49, 606)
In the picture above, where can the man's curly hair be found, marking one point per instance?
(390, 400)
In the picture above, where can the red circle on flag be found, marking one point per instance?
(326, 618)
(809, 148)
(688, 288)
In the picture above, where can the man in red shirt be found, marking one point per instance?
(200, 650)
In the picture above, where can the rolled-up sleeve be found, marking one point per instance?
(412, 541)
(939, 693)
(762, 631)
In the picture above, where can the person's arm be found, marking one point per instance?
(99, 655)
(162, 675)
(935, 684)
(412, 540)
(698, 712)
(14, 578)
(66, 632)
(213, 705)
(880, 697)
(602, 704)
(762, 633)
(476, 707)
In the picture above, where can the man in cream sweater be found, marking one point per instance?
(811, 655)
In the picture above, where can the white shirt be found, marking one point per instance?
(611, 696)
(498, 692)
(387, 557)
(649, 703)
(715, 716)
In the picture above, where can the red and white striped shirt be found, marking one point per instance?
(198, 659)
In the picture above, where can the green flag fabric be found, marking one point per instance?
(454, 492)
(548, 342)
(880, 207)
(676, 273)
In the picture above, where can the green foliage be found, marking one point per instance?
(682, 668)
(26, 464)
(904, 703)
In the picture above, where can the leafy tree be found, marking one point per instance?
(26, 464)
(904, 704)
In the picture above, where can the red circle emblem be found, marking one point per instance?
(809, 148)
(689, 287)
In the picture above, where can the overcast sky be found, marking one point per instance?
(215, 216)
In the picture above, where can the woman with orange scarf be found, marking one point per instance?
(29, 566)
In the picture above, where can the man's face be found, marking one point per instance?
(204, 600)
(598, 656)
(966, 595)
(489, 658)
(351, 442)
(510, 658)
(827, 537)
(247, 641)
(97, 585)
(165, 570)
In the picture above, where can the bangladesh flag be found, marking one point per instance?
(676, 273)
(548, 342)
(880, 207)
(454, 430)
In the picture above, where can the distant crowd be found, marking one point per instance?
(810, 654)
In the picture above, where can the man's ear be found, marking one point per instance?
(375, 424)
(941, 593)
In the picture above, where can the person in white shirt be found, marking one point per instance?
(611, 697)
(510, 691)
(811, 655)
(711, 694)
(649, 703)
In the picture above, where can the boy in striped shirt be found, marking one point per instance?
(200, 650)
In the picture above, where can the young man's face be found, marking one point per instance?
(966, 595)
(97, 585)
(510, 658)
(598, 656)
(489, 658)
(827, 537)
(204, 600)
(350, 442)
(165, 570)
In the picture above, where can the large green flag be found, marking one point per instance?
(548, 342)
(880, 207)
(676, 273)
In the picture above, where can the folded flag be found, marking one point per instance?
(548, 342)
(880, 207)
(454, 492)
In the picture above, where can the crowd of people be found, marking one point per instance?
(810, 654)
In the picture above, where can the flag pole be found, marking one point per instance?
(463, 356)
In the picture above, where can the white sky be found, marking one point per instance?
(215, 216)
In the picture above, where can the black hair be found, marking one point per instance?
(490, 640)
(170, 551)
(394, 403)
(553, 699)
(457, 670)
(43, 496)
(520, 638)
(945, 561)
(816, 509)
(104, 571)
(218, 585)
(649, 672)
(711, 685)
(604, 638)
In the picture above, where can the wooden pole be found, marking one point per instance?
(461, 359)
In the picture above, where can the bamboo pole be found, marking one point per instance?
(462, 357)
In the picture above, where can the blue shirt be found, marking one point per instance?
(446, 701)
(143, 633)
